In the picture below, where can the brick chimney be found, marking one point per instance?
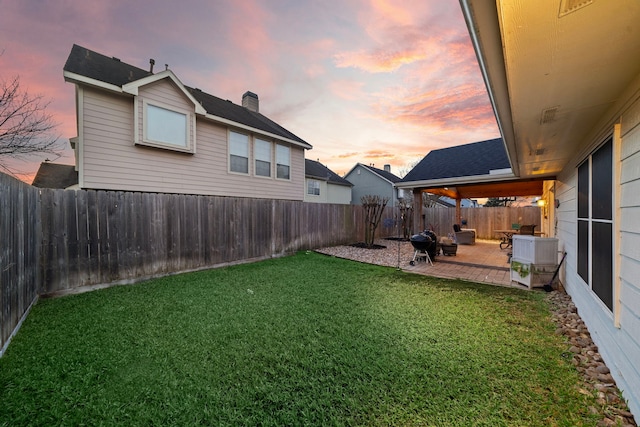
(387, 168)
(250, 102)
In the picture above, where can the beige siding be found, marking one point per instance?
(312, 198)
(329, 193)
(111, 161)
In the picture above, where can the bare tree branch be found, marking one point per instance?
(373, 208)
(25, 126)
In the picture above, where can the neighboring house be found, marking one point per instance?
(145, 131)
(325, 186)
(464, 203)
(368, 180)
(54, 175)
(564, 82)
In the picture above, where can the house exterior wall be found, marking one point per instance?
(366, 183)
(340, 194)
(329, 193)
(109, 160)
(313, 198)
(617, 333)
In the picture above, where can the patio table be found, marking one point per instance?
(507, 235)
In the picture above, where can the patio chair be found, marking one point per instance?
(464, 237)
(527, 230)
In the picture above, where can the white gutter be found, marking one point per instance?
(452, 182)
(256, 130)
(488, 48)
(77, 78)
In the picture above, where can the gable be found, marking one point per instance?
(164, 117)
(376, 174)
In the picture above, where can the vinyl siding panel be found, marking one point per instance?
(367, 183)
(619, 346)
(329, 193)
(312, 198)
(111, 161)
(339, 194)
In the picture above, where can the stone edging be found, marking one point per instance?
(585, 357)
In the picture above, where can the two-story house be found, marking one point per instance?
(140, 130)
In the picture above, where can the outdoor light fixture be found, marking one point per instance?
(543, 204)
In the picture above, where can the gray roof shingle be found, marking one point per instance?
(383, 173)
(315, 169)
(87, 63)
(54, 175)
(477, 158)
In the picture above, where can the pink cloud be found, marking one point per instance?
(463, 106)
(348, 155)
(394, 12)
(379, 61)
(349, 90)
(379, 154)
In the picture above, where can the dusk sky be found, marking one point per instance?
(378, 81)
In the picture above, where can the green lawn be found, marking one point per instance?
(302, 340)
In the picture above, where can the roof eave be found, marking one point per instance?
(376, 173)
(320, 178)
(483, 23)
(228, 122)
(75, 78)
(455, 181)
(345, 184)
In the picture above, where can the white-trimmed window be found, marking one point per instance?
(595, 222)
(283, 162)
(238, 152)
(262, 156)
(313, 187)
(166, 127)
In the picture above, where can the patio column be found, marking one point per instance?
(418, 226)
(458, 212)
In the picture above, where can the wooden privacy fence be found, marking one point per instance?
(57, 241)
(19, 253)
(483, 220)
(95, 237)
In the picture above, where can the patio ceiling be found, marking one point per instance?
(530, 187)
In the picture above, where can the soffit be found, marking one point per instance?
(529, 187)
(554, 69)
(567, 62)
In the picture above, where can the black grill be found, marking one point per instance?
(425, 242)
